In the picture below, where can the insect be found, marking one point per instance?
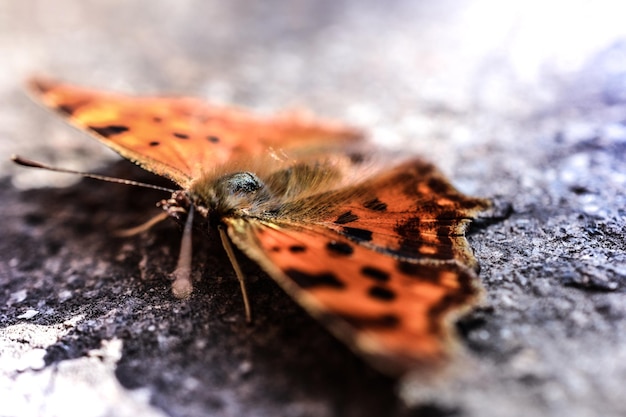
(376, 252)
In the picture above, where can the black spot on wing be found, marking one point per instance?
(65, 109)
(411, 241)
(469, 203)
(375, 273)
(410, 180)
(356, 158)
(346, 217)
(375, 204)
(180, 135)
(444, 231)
(339, 248)
(155, 143)
(385, 321)
(297, 248)
(440, 186)
(465, 292)
(449, 215)
(41, 86)
(427, 273)
(213, 139)
(358, 234)
(111, 130)
(306, 280)
(422, 170)
(409, 231)
(381, 293)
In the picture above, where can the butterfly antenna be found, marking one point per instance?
(34, 164)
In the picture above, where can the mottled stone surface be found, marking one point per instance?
(526, 102)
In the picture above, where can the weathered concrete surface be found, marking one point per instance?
(522, 101)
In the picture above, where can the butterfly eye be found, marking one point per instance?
(241, 183)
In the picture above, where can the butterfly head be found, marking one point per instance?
(231, 194)
(240, 185)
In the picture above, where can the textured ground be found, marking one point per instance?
(526, 102)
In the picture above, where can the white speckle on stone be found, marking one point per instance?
(506, 334)
(200, 344)
(526, 362)
(17, 296)
(580, 318)
(166, 342)
(29, 314)
(484, 335)
(64, 295)
(507, 300)
(191, 383)
(245, 367)
(592, 209)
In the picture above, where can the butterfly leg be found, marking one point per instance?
(228, 247)
(182, 285)
(133, 231)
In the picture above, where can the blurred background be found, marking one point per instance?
(405, 70)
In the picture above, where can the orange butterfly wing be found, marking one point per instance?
(409, 211)
(398, 317)
(384, 264)
(178, 137)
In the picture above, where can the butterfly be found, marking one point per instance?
(375, 250)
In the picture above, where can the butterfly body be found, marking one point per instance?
(245, 193)
(375, 250)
